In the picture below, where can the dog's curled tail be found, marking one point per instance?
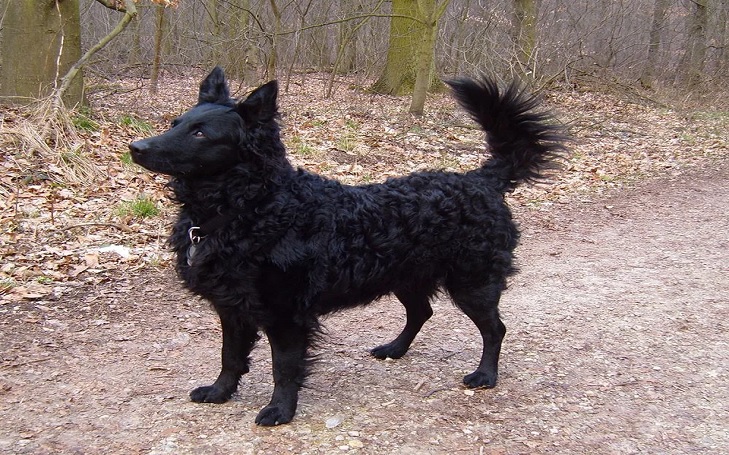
(523, 139)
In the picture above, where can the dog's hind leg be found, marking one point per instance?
(481, 305)
(238, 340)
(289, 343)
(417, 311)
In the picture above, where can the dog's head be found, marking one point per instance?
(213, 136)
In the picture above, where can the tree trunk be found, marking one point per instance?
(695, 56)
(214, 33)
(424, 57)
(277, 27)
(398, 77)
(413, 29)
(721, 61)
(429, 12)
(40, 42)
(134, 57)
(239, 56)
(158, 35)
(524, 29)
(297, 43)
(347, 38)
(654, 42)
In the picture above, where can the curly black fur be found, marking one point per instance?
(281, 246)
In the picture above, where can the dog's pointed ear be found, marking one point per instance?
(214, 89)
(260, 106)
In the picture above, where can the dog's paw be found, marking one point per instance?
(480, 379)
(210, 394)
(274, 415)
(391, 350)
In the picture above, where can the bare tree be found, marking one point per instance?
(274, 38)
(525, 36)
(240, 58)
(347, 35)
(660, 7)
(429, 12)
(159, 34)
(694, 57)
(550, 40)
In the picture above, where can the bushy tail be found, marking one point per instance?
(523, 139)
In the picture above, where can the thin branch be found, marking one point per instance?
(345, 43)
(113, 4)
(352, 18)
(131, 12)
(121, 227)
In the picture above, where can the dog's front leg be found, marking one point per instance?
(238, 340)
(289, 342)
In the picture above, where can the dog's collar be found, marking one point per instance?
(198, 233)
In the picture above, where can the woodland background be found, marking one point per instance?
(677, 46)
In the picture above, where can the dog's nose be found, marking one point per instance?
(137, 147)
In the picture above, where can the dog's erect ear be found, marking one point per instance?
(214, 89)
(260, 106)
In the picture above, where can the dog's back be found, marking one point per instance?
(358, 243)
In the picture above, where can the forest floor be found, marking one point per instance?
(617, 320)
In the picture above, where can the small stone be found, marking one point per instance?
(334, 421)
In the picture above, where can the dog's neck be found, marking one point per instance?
(238, 189)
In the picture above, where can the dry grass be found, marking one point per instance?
(48, 136)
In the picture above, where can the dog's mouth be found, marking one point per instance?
(155, 162)
(143, 156)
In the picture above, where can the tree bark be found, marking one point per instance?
(214, 32)
(654, 42)
(277, 27)
(524, 29)
(695, 56)
(158, 35)
(398, 78)
(413, 26)
(429, 12)
(40, 41)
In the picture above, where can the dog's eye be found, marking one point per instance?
(199, 133)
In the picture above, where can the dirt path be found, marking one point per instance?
(617, 344)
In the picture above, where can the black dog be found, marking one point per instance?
(273, 247)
